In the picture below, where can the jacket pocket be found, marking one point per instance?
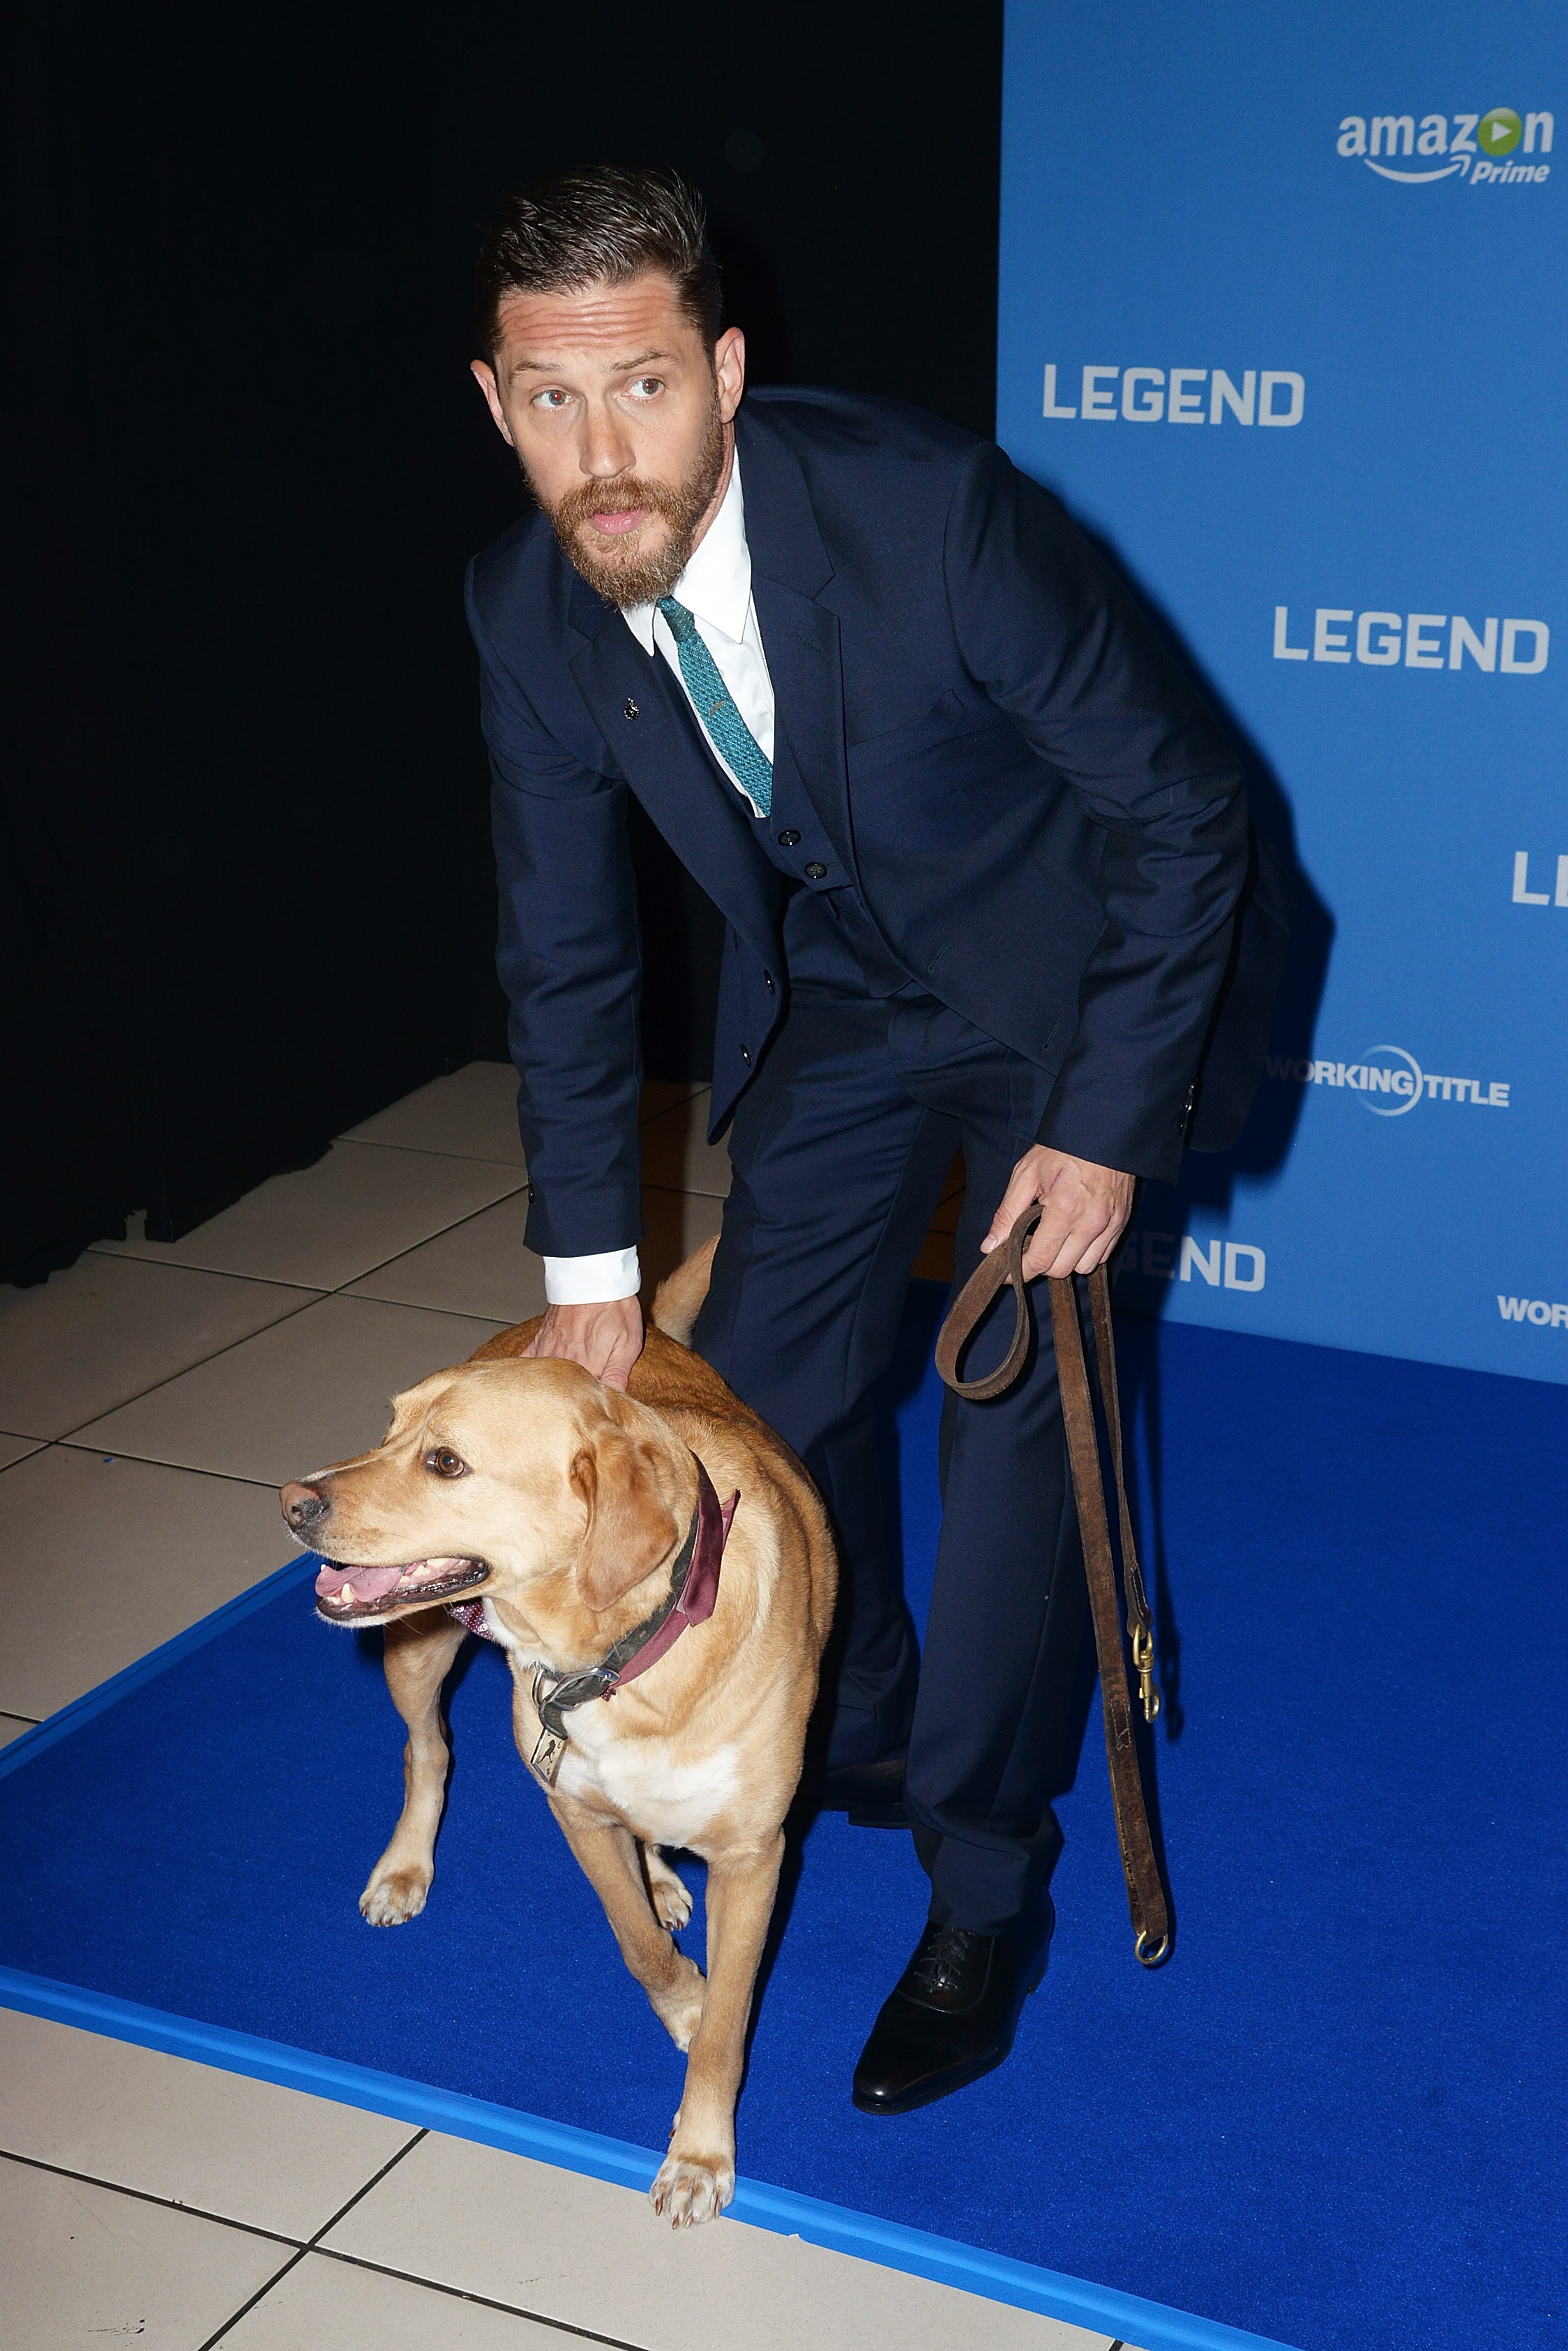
(950, 719)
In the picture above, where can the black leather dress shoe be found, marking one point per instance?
(951, 2016)
(872, 1793)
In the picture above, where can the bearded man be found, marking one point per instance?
(978, 847)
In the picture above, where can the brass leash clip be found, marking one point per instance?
(1144, 1659)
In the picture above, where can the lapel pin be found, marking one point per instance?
(630, 708)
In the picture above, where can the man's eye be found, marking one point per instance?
(647, 386)
(553, 400)
(442, 1462)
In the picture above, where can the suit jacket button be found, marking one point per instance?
(788, 839)
(630, 708)
(746, 1056)
(768, 982)
(814, 872)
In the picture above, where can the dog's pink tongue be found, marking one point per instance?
(366, 1582)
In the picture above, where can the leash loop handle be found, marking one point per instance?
(1003, 1265)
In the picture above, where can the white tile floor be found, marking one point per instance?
(151, 1399)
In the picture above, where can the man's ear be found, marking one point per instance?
(484, 377)
(631, 1526)
(729, 370)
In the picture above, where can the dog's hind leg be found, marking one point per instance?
(608, 1856)
(696, 2178)
(419, 1651)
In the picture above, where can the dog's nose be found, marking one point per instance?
(303, 1507)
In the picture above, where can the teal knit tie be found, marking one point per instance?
(731, 736)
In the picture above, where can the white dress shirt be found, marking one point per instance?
(715, 588)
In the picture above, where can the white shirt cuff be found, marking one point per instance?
(593, 1281)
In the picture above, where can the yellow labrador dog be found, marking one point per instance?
(664, 1659)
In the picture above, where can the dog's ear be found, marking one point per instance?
(631, 1526)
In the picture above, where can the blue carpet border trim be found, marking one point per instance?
(1149, 2325)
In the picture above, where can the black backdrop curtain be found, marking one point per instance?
(244, 855)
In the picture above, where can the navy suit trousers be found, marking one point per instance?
(840, 1146)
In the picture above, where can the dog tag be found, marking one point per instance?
(547, 1755)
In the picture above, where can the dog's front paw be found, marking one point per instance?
(692, 2187)
(667, 1890)
(394, 1896)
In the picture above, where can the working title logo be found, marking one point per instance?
(1389, 1081)
(1540, 1311)
(1477, 146)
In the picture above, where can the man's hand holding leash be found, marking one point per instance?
(1084, 1212)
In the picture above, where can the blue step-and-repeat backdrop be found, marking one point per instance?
(1283, 320)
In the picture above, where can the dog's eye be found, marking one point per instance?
(442, 1462)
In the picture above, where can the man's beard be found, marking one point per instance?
(624, 573)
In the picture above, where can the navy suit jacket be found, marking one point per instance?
(1043, 820)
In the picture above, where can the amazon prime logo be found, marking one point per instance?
(1485, 149)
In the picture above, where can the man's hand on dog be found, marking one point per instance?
(1085, 1209)
(606, 1339)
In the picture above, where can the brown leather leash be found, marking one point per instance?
(1004, 1266)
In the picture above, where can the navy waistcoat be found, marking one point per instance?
(831, 945)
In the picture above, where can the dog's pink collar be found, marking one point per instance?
(696, 1597)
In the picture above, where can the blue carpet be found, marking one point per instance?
(1332, 2119)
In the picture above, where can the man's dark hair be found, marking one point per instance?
(598, 227)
